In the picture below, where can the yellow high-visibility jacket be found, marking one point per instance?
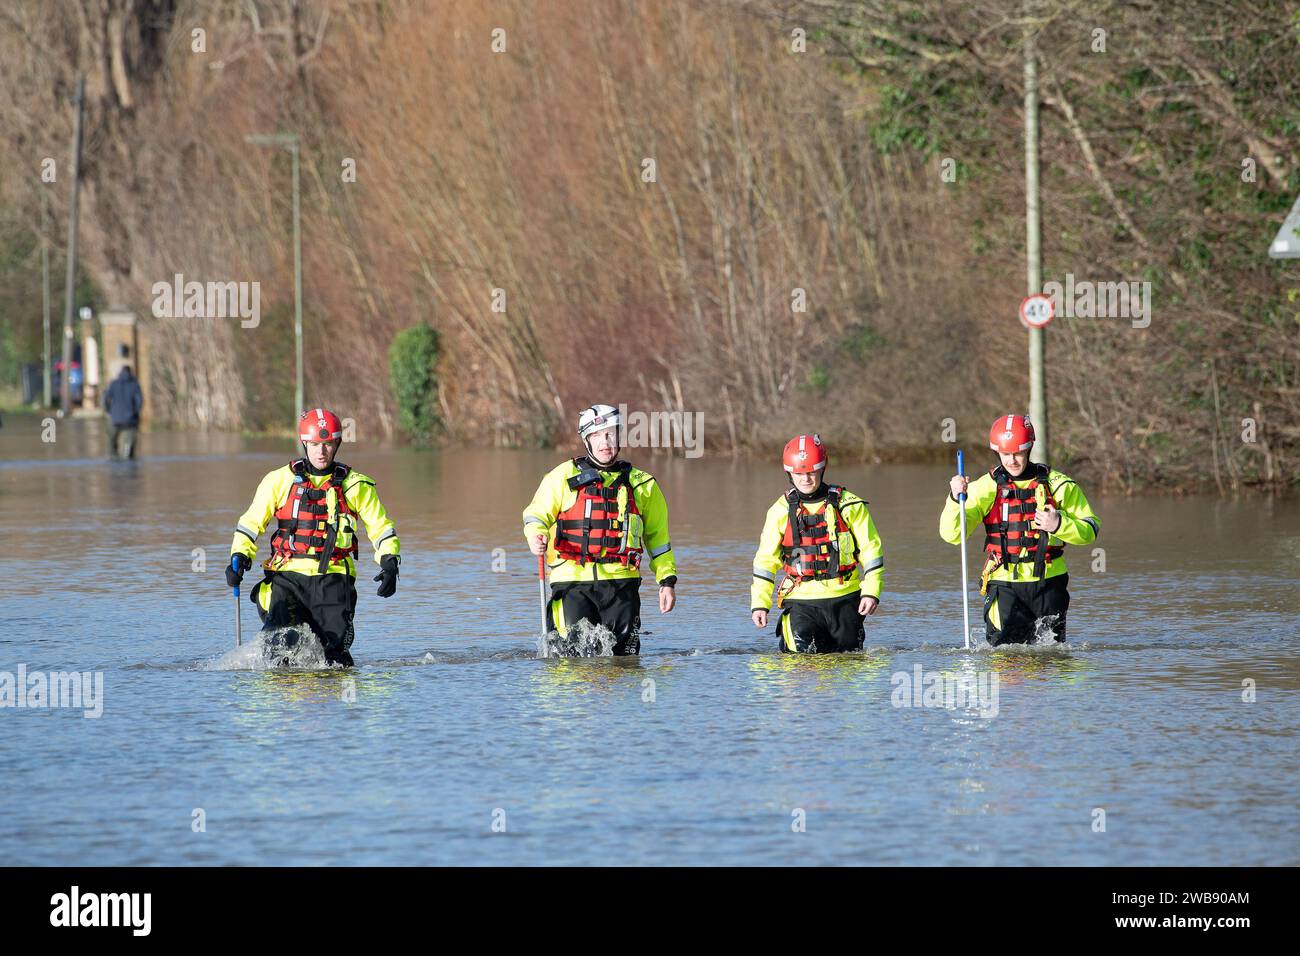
(1079, 523)
(862, 545)
(358, 491)
(554, 496)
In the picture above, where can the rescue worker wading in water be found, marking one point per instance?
(316, 505)
(823, 538)
(1029, 512)
(591, 517)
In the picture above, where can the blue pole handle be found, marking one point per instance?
(234, 566)
(961, 470)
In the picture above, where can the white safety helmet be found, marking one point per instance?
(597, 418)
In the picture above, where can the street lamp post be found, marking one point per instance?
(46, 392)
(1033, 249)
(290, 141)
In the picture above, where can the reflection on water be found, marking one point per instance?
(1173, 706)
(793, 675)
(560, 676)
(1016, 666)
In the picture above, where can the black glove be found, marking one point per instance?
(388, 575)
(233, 577)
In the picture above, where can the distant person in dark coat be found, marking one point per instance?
(123, 401)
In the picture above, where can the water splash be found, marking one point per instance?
(1043, 639)
(285, 648)
(1045, 630)
(583, 640)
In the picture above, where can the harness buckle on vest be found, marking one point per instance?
(324, 527)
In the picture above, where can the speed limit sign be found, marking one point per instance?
(1036, 311)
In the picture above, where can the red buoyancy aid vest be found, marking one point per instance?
(303, 528)
(603, 525)
(815, 555)
(1010, 535)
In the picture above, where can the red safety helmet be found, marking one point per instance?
(319, 424)
(804, 454)
(1011, 434)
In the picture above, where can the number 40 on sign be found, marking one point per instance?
(1036, 311)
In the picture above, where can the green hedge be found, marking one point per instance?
(412, 358)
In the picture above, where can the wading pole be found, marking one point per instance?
(234, 563)
(965, 596)
(541, 589)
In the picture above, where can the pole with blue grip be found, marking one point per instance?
(965, 596)
(234, 564)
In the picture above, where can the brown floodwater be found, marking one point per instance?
(1170, 716)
